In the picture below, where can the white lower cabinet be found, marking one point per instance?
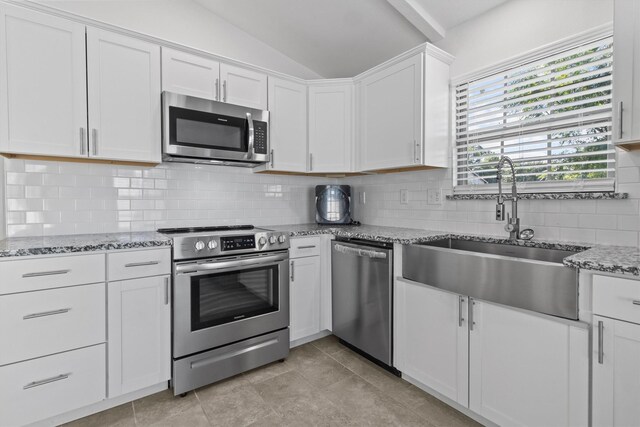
(304, 291)
(36, 389)
(616, 373)
(432, 343)
(139, 325)
(507, 365)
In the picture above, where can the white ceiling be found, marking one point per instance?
(450, 13)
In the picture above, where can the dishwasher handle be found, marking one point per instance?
(347, 250)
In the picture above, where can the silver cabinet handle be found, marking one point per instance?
(94, 141)
(291, 268)
(600, 342)
(45, 273)
(252, 136)
(271, 158)
(224, 91)
(471, 321)
(46, 313)
(307, 247)
(620, 122)
(82, 142)
(166, 291)
(217, 89)
(416, 151)
(460, 315)
(46, 381)
(636, 302)
(142, 264)
(310, 161)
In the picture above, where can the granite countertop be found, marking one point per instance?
(611, 259)
(23, 246)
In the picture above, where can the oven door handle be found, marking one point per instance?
(220, 265)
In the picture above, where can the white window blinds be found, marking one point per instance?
(551, 116)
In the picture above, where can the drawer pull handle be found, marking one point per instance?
(307, 247)
(47, 381)
(142, 264)
(636, 302)
(45, 273)
(46, 313)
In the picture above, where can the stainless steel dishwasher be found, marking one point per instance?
(362, 290)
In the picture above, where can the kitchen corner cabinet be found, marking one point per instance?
(288, 126)
(626, 65)
(124, 97)
(330, 128)
(64, 97)
(203, 77)
(404, 113)
(432, 338)
(43, 92)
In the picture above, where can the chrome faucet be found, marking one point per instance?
(513, 222)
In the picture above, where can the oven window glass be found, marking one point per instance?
(227, 297)
(207, 130)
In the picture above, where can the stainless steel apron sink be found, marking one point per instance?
(518, 276)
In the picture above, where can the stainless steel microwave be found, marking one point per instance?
(196, 130)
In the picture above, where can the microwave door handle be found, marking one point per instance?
(251, 137)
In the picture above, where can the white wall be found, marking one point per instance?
(188, 23)
(2, 201)
(46, 198)
(518, 26)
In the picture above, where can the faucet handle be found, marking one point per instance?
(509, 226)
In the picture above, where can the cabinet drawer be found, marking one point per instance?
(129, 265)
(41, 388)
(617, 298)
(55, 272)
(304, 246)
(35, 324)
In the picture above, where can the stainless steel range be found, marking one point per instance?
(230, 302)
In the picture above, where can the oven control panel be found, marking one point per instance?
(235, 243)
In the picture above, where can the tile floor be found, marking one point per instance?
(322, 383)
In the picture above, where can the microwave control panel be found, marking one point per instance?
(260, 137)
(238, 242)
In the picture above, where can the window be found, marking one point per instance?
(552, 117)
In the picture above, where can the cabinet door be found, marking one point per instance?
(330, 130)
(527, 370)
(43, 99)
(304, 290)
(616, 383)
(243, 87)
(288, 124)
(432, 338)
(124, 97)
(190, 75)
(626, 63)
(139, 333)
(391, 116)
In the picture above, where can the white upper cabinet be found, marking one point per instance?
(203, 77)
(330, 128)
(391, 116)
(626, 85)
(525, 369)
(43, 100)
(190, 75)
(243, 87)
(288, 125)
(404, 110)
(124, 97)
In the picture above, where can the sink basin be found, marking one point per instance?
(518, 276)
(504, 249)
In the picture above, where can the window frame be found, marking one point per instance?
(582, 186)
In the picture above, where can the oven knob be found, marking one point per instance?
(212, 244)
(262, 241)
(282, 238)
(199, 245)
(273, 240)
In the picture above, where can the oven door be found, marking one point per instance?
(221, 301)
(198, 128)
